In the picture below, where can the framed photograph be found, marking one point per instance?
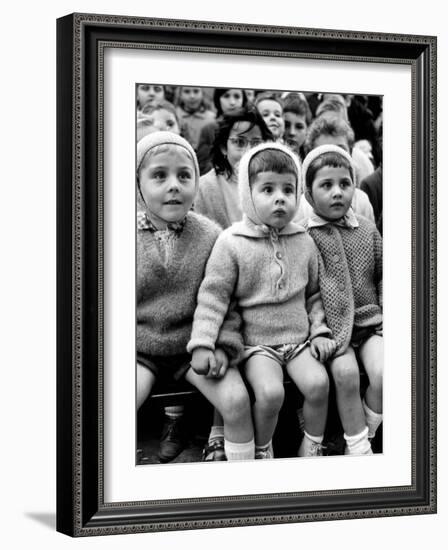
(133, 89)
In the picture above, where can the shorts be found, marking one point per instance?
(282, 354)
(170, 367)
(361, 335)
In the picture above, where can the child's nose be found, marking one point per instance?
(337, 190)
(279, 198)
(173, 183)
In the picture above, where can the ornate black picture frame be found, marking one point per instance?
(81, 508)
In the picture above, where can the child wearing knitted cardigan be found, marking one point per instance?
(270, 266)
(173, 245)
(350, 277)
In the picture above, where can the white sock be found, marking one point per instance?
(308, 443)
(373, 419)
(358, 444)
(175, 411)
(239, 451)
(216, 432)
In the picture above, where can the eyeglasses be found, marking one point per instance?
(243, 143)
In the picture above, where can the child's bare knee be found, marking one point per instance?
(318, 391)
(346, 376)
(270, 397)
(376, 380)
(236, 405)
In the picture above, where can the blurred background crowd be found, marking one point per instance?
(220, 123)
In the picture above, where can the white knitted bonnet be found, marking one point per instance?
(165, 138)
(243, 177)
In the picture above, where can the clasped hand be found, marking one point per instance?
(212, 364)
(322, 348)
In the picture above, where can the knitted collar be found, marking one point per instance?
(145, 224)
(349, 220)
(245, 191)
(247, 228)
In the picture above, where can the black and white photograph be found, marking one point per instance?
(259, 274)
(246, 275)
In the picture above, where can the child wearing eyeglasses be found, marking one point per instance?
(269, 266)
(218, 197)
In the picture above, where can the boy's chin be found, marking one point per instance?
(279, 224)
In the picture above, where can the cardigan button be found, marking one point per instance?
(278, 255)
(341, 286)
(336, 258)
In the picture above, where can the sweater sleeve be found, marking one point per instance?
(378, 255)
(214, 296)
(230, 338)
(314, 306)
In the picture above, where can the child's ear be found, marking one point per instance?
(309, 196)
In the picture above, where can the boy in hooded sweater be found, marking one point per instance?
(173, 245)
(269, 266)
(351, 282)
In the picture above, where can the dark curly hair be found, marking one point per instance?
(225, 125)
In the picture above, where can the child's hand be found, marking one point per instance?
(222, 362)
(322, 348)
(203, 360)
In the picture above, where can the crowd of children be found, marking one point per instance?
(259, 255)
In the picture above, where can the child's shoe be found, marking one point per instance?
(311, 446)
(173, 439)
(214, 451)
(266, 452)
(316, 449)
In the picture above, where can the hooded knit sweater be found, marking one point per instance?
(166, 290)
(272, 275)
(350, 267)
(351, 277)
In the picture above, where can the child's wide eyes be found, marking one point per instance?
(185, 175)
(158, 174)
(345, 183)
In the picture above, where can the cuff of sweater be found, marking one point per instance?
(199, 343)
(232, 344)
(322, 331)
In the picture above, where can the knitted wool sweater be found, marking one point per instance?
(167, 290)
(218, 199)
(274, 280)
(350, 275)
(272, 275)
